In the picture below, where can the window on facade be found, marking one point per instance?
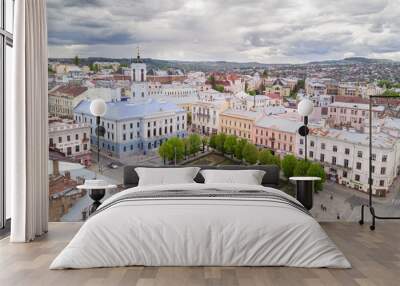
(346, 163)
(68, 138)
(334, 148)
(384, 158)
(323, 146)
(77, 148)
(312, 143)
(333, 160)
(301, 141)
(344, 174)
(381, 183)
(322, 157)
(359, 154)
(383, 171)
(357, 178)
(347, 151)
(358, 166)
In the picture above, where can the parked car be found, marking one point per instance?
(112, 165)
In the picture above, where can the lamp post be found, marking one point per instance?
(305, 108)
(98, 108)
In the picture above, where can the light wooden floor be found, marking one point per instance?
(375, 257)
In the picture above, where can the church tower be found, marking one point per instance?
(139, 85)
(138, 69)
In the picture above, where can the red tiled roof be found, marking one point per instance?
(121, 77)
(351, 99)
(69, 90)
(273, 95)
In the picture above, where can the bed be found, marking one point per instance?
(201, 224)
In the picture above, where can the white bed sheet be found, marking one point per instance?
(200, 232)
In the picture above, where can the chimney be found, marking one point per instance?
(56, 168)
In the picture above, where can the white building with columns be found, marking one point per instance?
(345, 157)
(135, 127)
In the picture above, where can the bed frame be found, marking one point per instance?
(270, 179)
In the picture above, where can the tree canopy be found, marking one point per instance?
(301, 168)
(229, 144)
(316, 170)
(265, 157)
(250, 154)
(220, 141)
(240, 144)
(76, 61)
(169, 148)
(204, 141)
(288, 165)
(194, 143)
(212, 142)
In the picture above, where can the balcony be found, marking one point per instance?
(341, 166)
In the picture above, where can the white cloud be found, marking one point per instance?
(272, 31)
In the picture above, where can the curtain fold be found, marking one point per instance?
(27, 124)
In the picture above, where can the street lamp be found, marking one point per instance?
(305, 108)
(98, 108)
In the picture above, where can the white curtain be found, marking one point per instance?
(27, 125)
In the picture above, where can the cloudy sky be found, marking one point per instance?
(267, 31)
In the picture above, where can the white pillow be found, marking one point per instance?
(166, 176)
(248, 177)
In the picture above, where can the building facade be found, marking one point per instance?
(205, 116)
(238, 122)
(63, 99)
(354, 115)
(135, 127)
(345, 157)
(70, 138)
(277, 134)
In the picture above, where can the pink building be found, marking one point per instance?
(354, 115)
(277, 134)
(274, 98)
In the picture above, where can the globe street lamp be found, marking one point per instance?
(305, 108)
(98, 108)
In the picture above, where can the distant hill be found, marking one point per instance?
(183, 65)
(222, 65)
(352, 61)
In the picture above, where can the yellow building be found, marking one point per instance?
(238, 122)
(279, 86)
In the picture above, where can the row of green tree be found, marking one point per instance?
(214, 85)
(176, 149)
(388, 84)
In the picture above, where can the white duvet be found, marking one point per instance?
(202, 232)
